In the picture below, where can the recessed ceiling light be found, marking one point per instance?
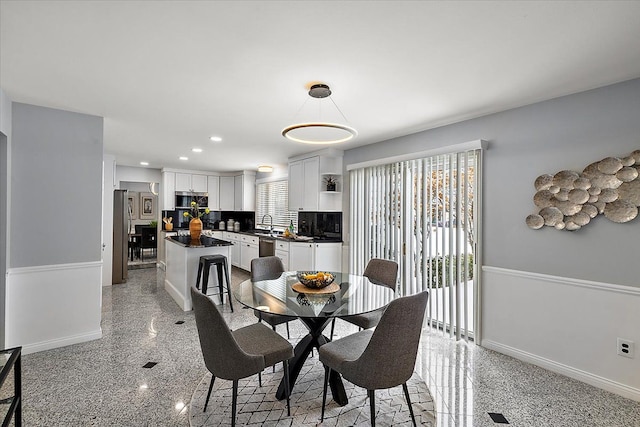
(215, 138)
(184, 158)
(265, 168)
(144, 163)
(197, 150)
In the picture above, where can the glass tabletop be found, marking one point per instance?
(356, 295)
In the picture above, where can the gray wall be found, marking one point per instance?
(56, 186)
(564, 133)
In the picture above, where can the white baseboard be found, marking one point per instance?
(176, 295)
(51, 306)
(61, 342)
(571, 372)
(564, 324)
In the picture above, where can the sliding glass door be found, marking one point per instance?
(423, 213)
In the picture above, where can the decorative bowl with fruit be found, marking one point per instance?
(315, 280)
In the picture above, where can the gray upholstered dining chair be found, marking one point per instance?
(232, 355)
(381, 358)
(381, 272)
(267, 268)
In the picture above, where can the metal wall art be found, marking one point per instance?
(569, 200)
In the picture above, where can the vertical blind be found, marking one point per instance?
(422, 213)
(272, 198)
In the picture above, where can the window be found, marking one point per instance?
(272, 198)
(423, 214)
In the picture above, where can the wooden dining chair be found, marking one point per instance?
(233, 355)
(381, 272)
(381, 358)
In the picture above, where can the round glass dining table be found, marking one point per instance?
(354, 295)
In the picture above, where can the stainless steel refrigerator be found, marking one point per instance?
(121, 219)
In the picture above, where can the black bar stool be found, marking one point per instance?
(220, 261)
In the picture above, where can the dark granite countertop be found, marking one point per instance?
(203, 242)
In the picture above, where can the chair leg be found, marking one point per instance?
(372, 405)
(333, 325)
(226, 275)
(285, 367)
(206, 402)
(406, 396)
(234, 400)
(219, 268)
(198, 277)
(288, 336)
(273, 368)
(205, 279)
(260, 379)
(327, 372)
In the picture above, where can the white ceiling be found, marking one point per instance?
(167, 75)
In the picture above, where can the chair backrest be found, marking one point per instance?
(266, 268)
(138, 228)
(382, 271)
(390, 356)
(222, 355)
(148, 239)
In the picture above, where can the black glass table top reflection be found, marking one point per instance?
(356, 295)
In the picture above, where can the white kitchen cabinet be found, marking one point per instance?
(301, 256)
(199, 184)
(213, 188)
(328, 257)
(296, 185)
(307, 183)
(304, 176)
(194, 183)
(315, 256)
(282, 252)
(234, 238)
(168, 191)
(183, 182)
(245, 192)
(248, 250)
(227, 193)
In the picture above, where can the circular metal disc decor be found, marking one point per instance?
(535, 221)
(569, 200)
(543, 182)
(620, 211)
(551, 216)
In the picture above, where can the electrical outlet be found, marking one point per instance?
(625, 348)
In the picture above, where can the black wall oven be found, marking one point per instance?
(184, 199)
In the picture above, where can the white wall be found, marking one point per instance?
(565, 133)
(108, 185)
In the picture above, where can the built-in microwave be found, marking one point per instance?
(184, 199)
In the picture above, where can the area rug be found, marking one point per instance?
(258, 406)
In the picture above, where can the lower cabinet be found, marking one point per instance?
(282, 252)
(235, 248)
(315, 256)
(328, 257)
(248, 251)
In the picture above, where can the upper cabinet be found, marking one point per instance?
(315, 182)
(238, 193)
(227, 193)
(244, 192)
(213, 187)
(168, 201)
(194, 183)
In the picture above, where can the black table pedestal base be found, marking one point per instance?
(301, 353)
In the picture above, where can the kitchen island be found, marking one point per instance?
(182, 258)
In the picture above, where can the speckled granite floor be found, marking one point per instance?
(104, 383)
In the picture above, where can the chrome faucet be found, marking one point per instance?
(270, 223)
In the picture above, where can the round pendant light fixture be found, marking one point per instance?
(320, 132)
